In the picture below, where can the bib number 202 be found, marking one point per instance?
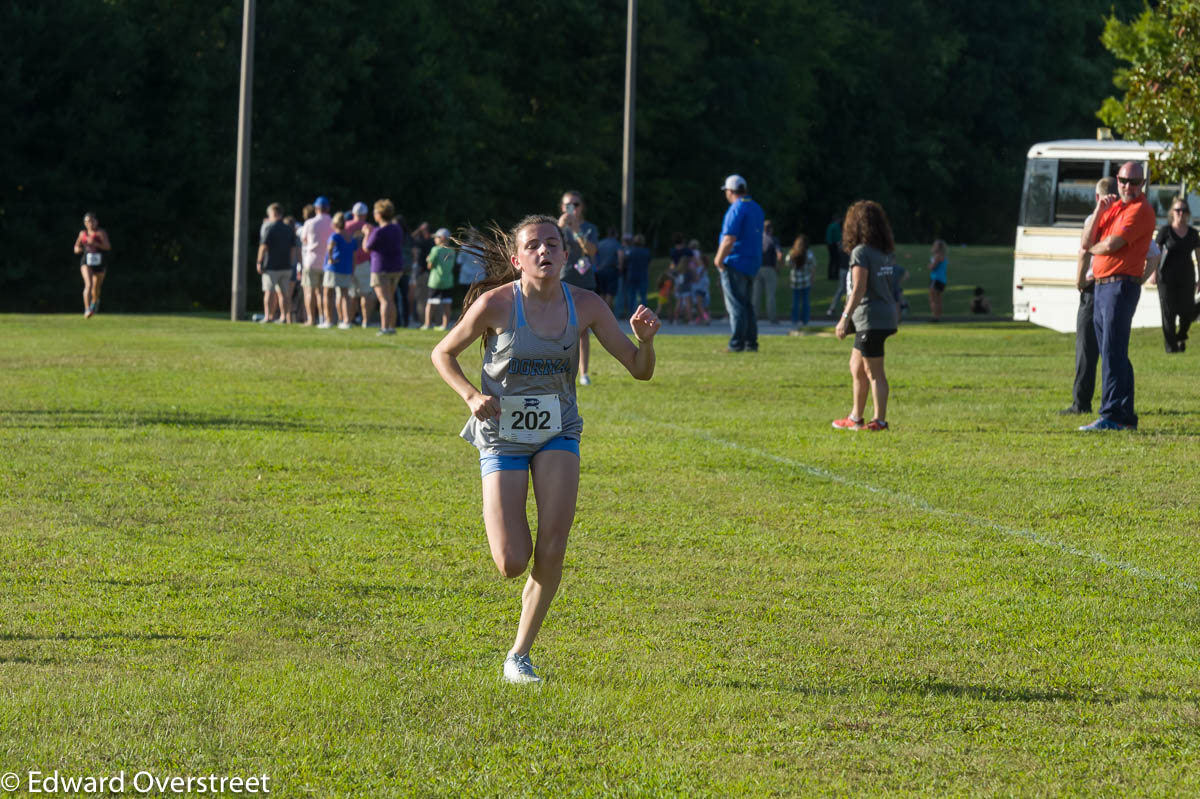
(530, 419)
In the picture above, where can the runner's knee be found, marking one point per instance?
(512, 563)
(551, 554)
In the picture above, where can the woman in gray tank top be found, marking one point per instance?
(524, 418)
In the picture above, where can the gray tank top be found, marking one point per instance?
(518, 361)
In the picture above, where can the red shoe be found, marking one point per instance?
(849, 424)
(876, 425)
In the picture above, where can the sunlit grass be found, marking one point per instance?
(241, 549)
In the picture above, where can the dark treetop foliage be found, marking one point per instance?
(464, 112)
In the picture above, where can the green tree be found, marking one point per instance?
(464, 111)
(1161, 81)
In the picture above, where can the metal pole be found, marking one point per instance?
(630, 96)
(241, 203)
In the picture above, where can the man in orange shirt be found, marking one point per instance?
(1117, 238)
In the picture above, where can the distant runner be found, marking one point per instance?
(92, 243)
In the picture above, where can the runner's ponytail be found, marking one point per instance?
(496, 248)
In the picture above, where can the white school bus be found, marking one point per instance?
(1058, 195)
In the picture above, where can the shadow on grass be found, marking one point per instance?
(1170, 412)
(70, 418)
(105, 637)
(50, 660)
(942, 688)
(1144, 431)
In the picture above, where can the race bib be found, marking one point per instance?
(92, 258)
(530, 419)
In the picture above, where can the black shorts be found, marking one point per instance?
(870, 342)
(439, 296)
(938, 286)
(96, 270)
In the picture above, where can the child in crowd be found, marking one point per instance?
(899, 275)
(801, 261)
(339, 274)
(980, 304)
(683, 287)
(666, 288)
(698, 283)
(937, 278)
(440, 263)
(680, 293)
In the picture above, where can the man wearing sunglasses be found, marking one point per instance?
(1118, 238)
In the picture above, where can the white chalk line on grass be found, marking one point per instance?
(920, 504)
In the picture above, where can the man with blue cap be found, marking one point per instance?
(738, 258)
(314, 245)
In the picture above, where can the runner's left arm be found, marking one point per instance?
(638, 358)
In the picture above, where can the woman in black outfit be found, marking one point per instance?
(1177, 281)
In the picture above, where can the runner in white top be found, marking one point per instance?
(523, 303)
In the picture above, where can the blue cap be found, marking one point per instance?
(321, 202)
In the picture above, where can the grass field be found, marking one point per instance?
(236, 550)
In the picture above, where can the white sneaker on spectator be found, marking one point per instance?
(343, 325)
(324, 326)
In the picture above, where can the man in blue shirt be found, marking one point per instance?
(739, 256)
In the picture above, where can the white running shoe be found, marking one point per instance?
(343, 325)
(518, 669)
(324, 326)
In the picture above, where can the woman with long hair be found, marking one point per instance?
(870, 311)
(524, 419)
(1177, 283)
(93, 246)
(802, 263)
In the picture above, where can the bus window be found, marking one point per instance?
(1160, 196)
(1076, 192)
(1037, 201)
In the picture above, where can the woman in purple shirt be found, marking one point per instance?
(386, 246)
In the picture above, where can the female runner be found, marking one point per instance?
(92, 244)
(524, 417)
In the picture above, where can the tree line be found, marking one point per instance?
(464, 112)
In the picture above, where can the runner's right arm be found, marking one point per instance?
(489, 312)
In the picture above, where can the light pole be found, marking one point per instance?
(630, 96)
(241, 200)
